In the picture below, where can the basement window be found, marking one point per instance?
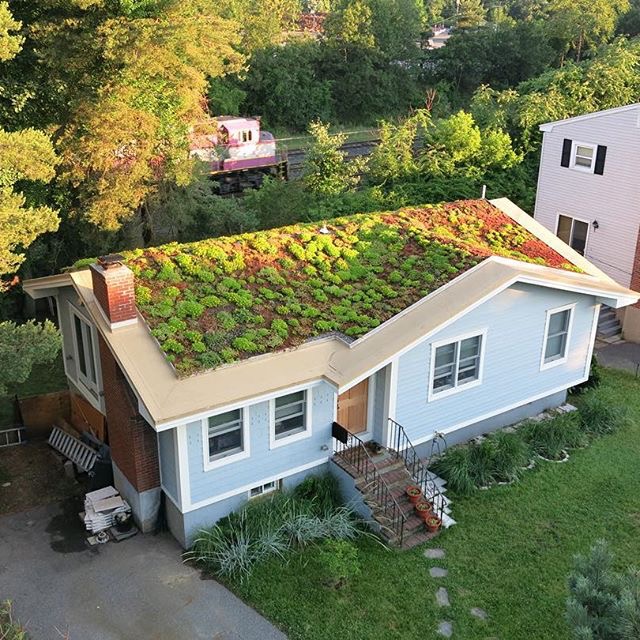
(268, 487)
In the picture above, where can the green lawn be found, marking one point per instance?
(509, 554)
(43, 379)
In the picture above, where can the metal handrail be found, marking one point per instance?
(403, 449)
(354, 453)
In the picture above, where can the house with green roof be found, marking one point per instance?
(236, 366)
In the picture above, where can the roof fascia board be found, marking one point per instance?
(549, 126)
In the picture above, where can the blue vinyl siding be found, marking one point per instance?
(263, 462)
(168, 471)
(515, 324)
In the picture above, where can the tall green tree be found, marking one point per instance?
(581, 24)
(121, 82)
(25, 155)
(471, 13)
(23, 346)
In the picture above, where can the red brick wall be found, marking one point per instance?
(635, 272)
(114, 289)
(133, 442)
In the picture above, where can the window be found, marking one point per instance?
(268, 487)
(246, 136)
(573, 232)
(226, 434)
(290, 414)
(556, 339)
(456, 364)
(86, 369)
(583, 156)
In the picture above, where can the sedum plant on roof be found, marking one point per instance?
(226, 299)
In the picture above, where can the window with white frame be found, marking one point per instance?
(86, 367)
(268, 487)
(290, 414)
(226, 435)
(456, 364)
(556, 339)
(583, 156)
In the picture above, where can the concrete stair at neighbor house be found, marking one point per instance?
(397, 479)
(609, 329)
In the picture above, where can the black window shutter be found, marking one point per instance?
(600, 158)
(566, 153)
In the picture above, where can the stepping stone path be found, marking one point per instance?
(442, 597)
(479, 613)
(445, 628)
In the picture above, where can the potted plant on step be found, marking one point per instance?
(424, 509)
(414, 493)
(433, 523)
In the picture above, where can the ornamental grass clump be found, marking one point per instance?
(510, 455)
(598, 416)
(551, 437)
(272, 527)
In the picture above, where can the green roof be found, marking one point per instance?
(226, 299)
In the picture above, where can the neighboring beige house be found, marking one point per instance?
(589, 195)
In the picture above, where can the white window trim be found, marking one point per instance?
(554, 363)
(295, 437)
(276, 487)
(574, 219)
(431, 396)
(93, 391)
(216, 463)
(574, 148)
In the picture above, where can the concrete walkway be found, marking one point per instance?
(134, 590)
(620, 355)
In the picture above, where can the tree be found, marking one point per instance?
(471, 13)
(394, 157)
(457, 145)
(23, 346)
(579, 24)
(326, 171)
(286, 86)
(24, 155)
(603, 604)
(142, 70)
(10, 42)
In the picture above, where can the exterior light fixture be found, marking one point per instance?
(595, 225)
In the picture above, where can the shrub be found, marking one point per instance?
(481, 456)
(338, 561)
(603, 604)
(268, 527)
(511, 453)
(598, 416)
(455, 467)
(323, 492)
(550, 437)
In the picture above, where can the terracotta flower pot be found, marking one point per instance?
(433, 523)
(414, 494)
(424, 509)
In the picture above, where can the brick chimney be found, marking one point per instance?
(114, 289)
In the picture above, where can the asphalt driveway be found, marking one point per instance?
(137, 589)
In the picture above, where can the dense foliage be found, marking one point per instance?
(226, 299)
(23, 347)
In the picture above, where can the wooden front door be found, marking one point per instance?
(352, 407)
